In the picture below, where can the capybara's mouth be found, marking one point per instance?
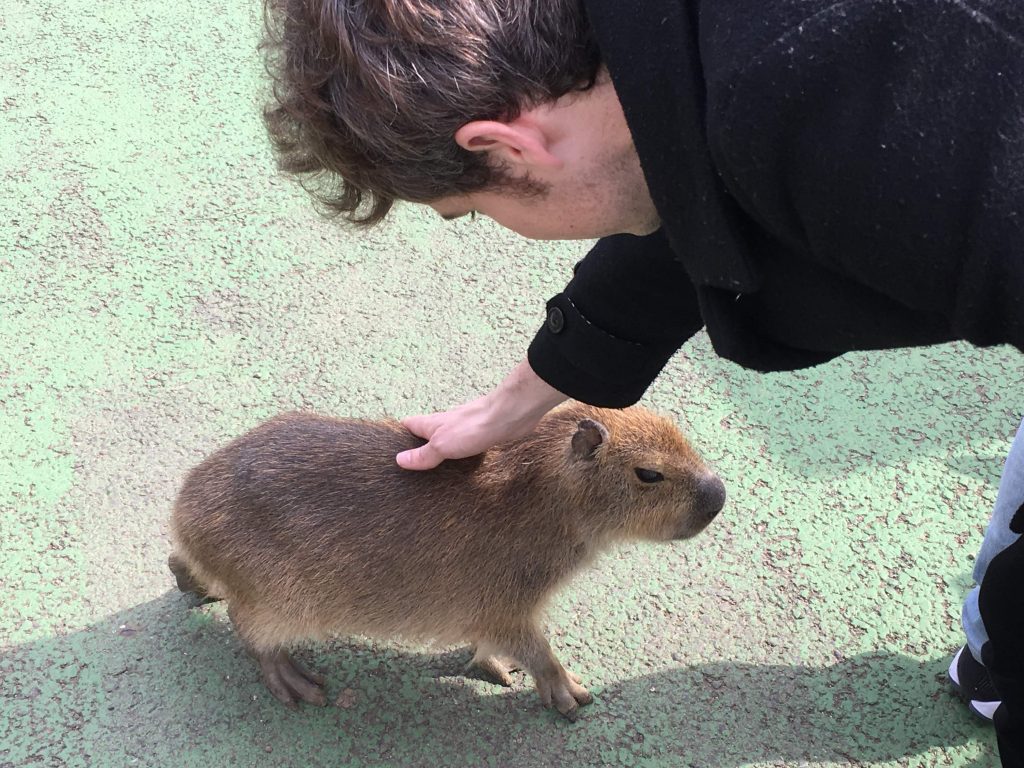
(688, 531)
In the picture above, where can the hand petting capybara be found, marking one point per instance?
(309, 529)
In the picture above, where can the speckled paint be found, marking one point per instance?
(162, 290)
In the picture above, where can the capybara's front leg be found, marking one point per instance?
(555, 685)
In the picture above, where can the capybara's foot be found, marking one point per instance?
(562, 690)
(290, 681)
(497, 669)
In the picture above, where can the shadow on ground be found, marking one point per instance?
(955, 402)
(165, 683)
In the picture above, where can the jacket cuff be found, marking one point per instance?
(589, 364)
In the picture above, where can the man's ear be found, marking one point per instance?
(520, 143)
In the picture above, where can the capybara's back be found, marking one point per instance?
(313, 518)
(309, 528)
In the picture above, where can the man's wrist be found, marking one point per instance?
(524, 397)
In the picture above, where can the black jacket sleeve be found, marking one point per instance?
(628, 308)
(890, 149)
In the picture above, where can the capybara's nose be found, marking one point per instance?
(710, 495)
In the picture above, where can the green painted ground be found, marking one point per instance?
(161, 290)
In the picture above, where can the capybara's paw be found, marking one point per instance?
(497, 669)
(563, 691)
(290, 681)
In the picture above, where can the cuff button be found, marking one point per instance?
(556, 320)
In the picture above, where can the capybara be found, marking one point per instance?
(309, 529)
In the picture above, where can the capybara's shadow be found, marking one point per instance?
(165, 683)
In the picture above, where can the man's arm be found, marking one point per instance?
(628, 308)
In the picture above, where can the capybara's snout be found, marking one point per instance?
(710, 496)
(704, 499)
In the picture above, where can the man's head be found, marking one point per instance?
(498, 106)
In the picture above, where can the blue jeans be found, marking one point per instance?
(998, 537)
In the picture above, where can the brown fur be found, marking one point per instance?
(309, 529)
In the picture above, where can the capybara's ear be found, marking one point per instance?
(590, 435)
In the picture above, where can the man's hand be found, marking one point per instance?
(510, 411)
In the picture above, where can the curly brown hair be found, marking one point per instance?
(368, 94)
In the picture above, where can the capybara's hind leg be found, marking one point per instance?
(287, 679)
(184, 578)
(486, 662)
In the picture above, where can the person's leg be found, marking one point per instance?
(993, 614)
(1002, 608)
(998, 537)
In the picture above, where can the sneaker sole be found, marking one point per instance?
(983, 710)
(953, 677)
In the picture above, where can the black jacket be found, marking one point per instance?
(831, 176)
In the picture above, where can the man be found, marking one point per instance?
(802, 178)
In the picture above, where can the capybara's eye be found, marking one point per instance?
(649, 475)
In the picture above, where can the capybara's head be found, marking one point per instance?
(638, 474)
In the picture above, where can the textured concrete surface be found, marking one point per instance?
(162, 290)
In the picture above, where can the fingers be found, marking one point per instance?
(511, 410)
(424, 457)
(465, 431)
(450, 434)
(421, 426)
